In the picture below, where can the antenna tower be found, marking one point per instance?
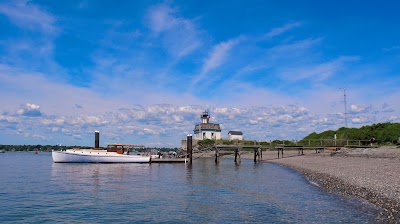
(345, 106)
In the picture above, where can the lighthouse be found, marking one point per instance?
(205, 129)
(205, 118)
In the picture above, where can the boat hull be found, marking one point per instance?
(96, 157)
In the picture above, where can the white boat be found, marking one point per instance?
(115, 153)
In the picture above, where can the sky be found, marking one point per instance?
(144, 71)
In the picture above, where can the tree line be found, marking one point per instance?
(381, 133)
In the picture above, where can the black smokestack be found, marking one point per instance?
(96, 139)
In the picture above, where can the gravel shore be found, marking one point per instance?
(369, 173)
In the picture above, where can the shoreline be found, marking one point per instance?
(372, 174)
(336, 185)
(369, 174)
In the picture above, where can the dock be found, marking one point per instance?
(169, 160)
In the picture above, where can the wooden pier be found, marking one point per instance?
(319, 145)
(257, 147)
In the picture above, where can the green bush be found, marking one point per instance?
(206, 143)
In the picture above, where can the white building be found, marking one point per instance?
(235, 135)
(206, 130)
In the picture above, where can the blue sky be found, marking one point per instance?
(143, 71)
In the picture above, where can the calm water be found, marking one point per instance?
(34, 189)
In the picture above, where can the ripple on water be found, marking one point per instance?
(33, 189)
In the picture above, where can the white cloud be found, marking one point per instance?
(216, 58)
(179, 35)
(31, 110)
(392, 48)
(295, 48)
(280, 30)
(25, 88)
(356, 109)
(361, 120)
(161, 18)
(218, 55)
(41, 137)
(76, 136)
(279, 110)
(170, 123)
(89, 120)
(286, 118)
(300, 111)
(320, 121)
(8, 119)
(291, 61)
(388, 110)
(385, 105)
(57, 121)
(29, 16)
(149, 131)
(316, 72)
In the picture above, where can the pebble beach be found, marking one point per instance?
(372, 174)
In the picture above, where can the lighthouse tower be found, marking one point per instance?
(205, 119)
(207, 130)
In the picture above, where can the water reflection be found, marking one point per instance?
(96, 179)
(175, 193)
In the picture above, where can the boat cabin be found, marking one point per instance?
(122, 148)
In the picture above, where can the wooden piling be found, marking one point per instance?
(216, 154)
(189, 148)
(280, 151)
(300, 151)
(237, 155)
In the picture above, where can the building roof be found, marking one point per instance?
(207, 126)
(235, 133)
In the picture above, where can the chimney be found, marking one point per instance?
(97, 139)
